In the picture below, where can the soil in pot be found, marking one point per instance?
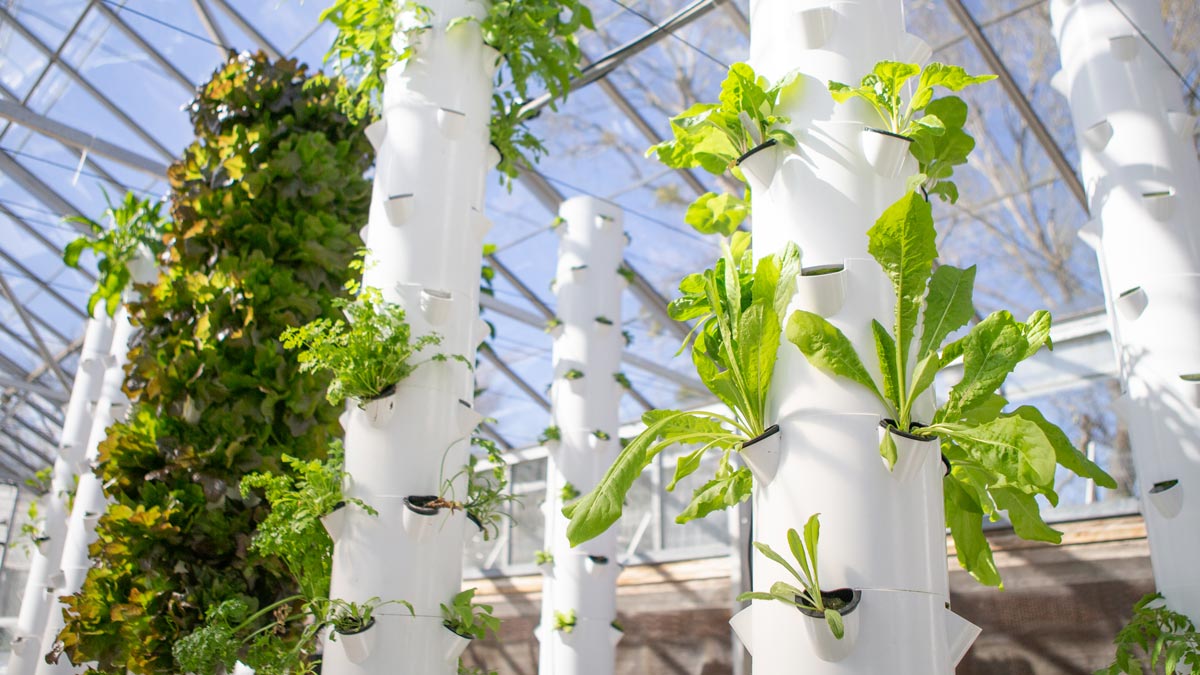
(841, 600)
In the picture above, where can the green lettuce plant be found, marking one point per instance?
(808, 596)
(934, 125)
(1001, 460)
(565, 621)
(468, 619)
(265, 205)
(137, 225)
(714, 136)
(737, 309)
(1165, 638)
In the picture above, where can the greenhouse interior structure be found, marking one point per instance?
(599, 337)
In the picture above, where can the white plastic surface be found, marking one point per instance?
(1144, 188)
(583, 579)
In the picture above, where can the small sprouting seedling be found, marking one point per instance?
(564, 621)
(553, 323)
(626, 273)
(557, 222)
(543, 557)
(573, 374)
(601, 434)
(578, 268)
(617, 624)
(568, 492)
(353, 617)
(604, 321)
(628, 337)
(623, 380)
(810, 597)
(468, 619)
(550, 433)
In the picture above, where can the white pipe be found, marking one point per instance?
(584, 578)
(77, 427)
(881, 533)
(425, 237)
(1142, 176)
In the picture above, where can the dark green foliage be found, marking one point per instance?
(1167, 639)
(266, 204)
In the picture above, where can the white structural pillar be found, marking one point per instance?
(77, 429)
(1139, 165)
(425, 237)
(587, 343)
(882, 533)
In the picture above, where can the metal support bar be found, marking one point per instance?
(136, 38)
(494, 358)
(610, 61)
(12, 454)
(249, 29)
(520, 286)
(15, 112)
(963, 15)
(12, 260)
(33, 333)
(211, 26)
(735, 14)
(47, 393)
(500, 440)
(13, 169)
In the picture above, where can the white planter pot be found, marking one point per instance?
(1098, 135)
(813, 27)
(451, 123)
(547, 569)
(435, 305)
(1124, 47)
(466, 418)
(1160, 204)
(1191, 388)
(821, 290)
(596, 564)
(761, 455)
(825, 645)
(480, 223)
(760, 164)
(492, 157)
(915, 50)
(335, 520)
(960, 635)
(886, 152)
(1183, 124)
(376, 133)
(454, 646)
(1167, 497)
(614, 635)
(1132, 303)
(358, 645)
(25, 645)
(379, 411)
(399, 208)
(419, 521)
(912, 452)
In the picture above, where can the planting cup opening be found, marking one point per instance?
(357, 644)
(435, 305)
(376, 133)
(1160, 203)
(379, 410)
(1191, 387)
(760, 164)
(885, 151)
(1123, 47)
(399, 207)
(912, 451)
(821, 289)
(960, 635)
(761, 455)
(848, 598)
(1167, 497)
(451, 122)
(827, 647)
(1098, 135)
(1132, 303)
(418, 504)
(813, 27)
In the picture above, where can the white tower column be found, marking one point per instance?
(1138, 162)
(425, 236)
(882, 532)
(77, 429)
(588, 343)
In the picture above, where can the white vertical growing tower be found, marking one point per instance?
(883, 533)
(1139, 165)
(585, 395)
(77, 429)
(425, 238)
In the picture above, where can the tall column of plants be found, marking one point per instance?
(577, 631)
(55, 504)
(1138, 161)
(441, 82)
(265, 205)
(827, 366)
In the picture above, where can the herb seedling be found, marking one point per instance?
(565, 621)
(468, 619)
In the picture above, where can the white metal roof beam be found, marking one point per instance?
(249, 29)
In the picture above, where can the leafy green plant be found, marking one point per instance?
(487, 496)
(348, 617)
(1001, 460)
(602, 435)
(550, 433)
(568, 492)
(623, 380)
(1165, 638)
(573, 374)
(626, 274)
(714, 136)
(468, 619)
(628, 337)
(292, 531)
(808, 596)
(565, 621)
(232, 632)
(368, 352)
(266, 204)
(137, 225)
(737, 308)
(553, 323)
(543, 557)
(363, 50)
(604, 321)
(935, 126)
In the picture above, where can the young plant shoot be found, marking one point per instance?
(468, 619)
(1165, 638)
(934, 125)
(1001, 460)
(715, 136)
(737, 309)
(137, 225)
(808, 596)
